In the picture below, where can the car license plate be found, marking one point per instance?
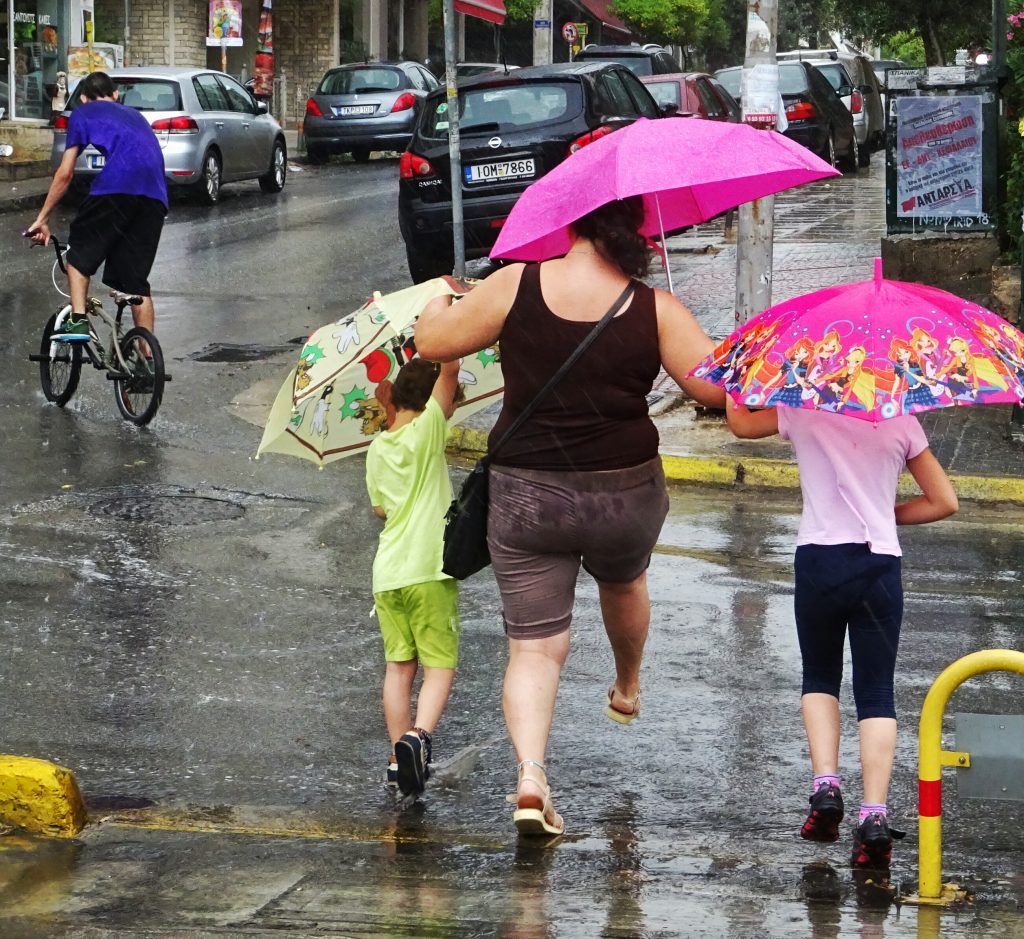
(495, 172)
(353, 110)
(97, 162)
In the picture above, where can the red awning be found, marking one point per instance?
(600, 10)
(491, 10)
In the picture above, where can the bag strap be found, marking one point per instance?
(588, 340)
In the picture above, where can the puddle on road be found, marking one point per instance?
(239, 352)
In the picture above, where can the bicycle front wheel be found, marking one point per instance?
(61, 368)
(139, 395)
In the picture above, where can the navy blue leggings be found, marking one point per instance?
(840, 586)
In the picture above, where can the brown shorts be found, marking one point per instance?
(542, 525)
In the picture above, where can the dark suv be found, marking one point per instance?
(514, 128)
(640, 60)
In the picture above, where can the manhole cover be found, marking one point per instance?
(234, 352)
(167, 510)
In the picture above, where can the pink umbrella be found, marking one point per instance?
(687, 170)
(874, 349)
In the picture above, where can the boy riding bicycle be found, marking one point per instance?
(119, 223)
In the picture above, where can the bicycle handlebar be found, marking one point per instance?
(58, 247)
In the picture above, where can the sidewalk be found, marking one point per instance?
(825, 234)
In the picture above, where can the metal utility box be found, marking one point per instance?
(941, 154)
(996, 745)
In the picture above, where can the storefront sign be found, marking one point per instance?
(938, 157)
(225, 27)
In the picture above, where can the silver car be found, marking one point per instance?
(360, 108)
(211, 130)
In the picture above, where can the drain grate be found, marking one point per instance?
(166, 509)
(235, 352)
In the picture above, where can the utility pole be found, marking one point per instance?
(454, 140)
(542, 35)
(760, 99)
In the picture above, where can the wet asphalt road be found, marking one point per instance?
(188, 627)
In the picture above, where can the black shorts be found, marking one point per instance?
(121, 230)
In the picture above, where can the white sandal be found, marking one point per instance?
(532, 811)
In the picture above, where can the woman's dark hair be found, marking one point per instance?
(414, 384)
(615, 230)
(96, 85)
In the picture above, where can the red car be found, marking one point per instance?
(695, 94)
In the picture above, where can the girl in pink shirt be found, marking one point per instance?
(848, 577)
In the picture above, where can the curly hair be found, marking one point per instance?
(414, 384)
(614, 228)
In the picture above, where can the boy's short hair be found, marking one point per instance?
(414, 384)
(96, 85)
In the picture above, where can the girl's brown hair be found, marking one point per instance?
(615, 230)
(414, 384)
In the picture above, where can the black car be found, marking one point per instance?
(514, 128)
(640, 60)
(817, 117)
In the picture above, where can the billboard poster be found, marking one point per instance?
(225, 28)
(264, 72)
(938, 157)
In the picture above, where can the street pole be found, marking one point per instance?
(542, 36)
(454, 143)
(760, 97)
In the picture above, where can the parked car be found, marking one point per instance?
(211, 130)
(361, 108)
(649, 59)
(514, 129)
(817, 117)
(693, 94)
(879, 67)
(851, 75)
(471, 69)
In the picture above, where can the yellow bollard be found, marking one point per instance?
(930, 889)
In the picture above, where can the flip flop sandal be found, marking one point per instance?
(532, 812)
(622, 717)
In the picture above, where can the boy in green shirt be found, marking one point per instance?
(417, 604)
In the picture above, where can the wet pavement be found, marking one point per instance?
(189, 630)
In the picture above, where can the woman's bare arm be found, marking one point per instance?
(447, 331)
(683, 344)
(751, 424)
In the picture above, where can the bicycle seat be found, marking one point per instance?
(129, 298)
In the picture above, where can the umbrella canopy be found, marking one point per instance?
(873, 350)
(687, 170)
(338, 397)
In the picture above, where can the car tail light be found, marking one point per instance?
(801, 111)
(580, 142)
(412, 166)
(313, 109)
(61, 123)
(856, 102)
(404, 102)
(176, 125)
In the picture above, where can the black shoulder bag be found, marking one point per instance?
(465, 529)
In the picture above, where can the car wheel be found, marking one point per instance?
(273, 179)
(864, 156)
(425, 266)
(361, 155)
(208, 187)
(852, 159)
(315, 155)
(829, 156)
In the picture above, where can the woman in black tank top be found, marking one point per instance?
(580, 484)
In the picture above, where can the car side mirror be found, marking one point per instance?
(668, 110)
(844, 90)
(262, 107)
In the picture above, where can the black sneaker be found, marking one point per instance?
(872, 843)
(391, 779)
(413, 753)
(822, 823)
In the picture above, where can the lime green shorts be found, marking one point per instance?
(421, 622)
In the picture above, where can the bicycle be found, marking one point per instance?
(132, 360)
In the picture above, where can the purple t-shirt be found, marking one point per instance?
(135, 162)
(849, 469)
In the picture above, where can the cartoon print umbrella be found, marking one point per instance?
(339, 394)
(688, 171)
(872, 350)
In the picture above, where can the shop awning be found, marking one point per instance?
(601, 11)
(491, 10)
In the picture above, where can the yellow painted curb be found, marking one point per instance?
(760, 473)
(40, 797)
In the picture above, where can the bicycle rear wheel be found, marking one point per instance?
(61, 368)
(139, 395)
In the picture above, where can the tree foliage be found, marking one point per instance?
(674, 22)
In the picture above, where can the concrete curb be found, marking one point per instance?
(40, 797)
(760, 473)
(24, 203)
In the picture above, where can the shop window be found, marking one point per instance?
(40, 52)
